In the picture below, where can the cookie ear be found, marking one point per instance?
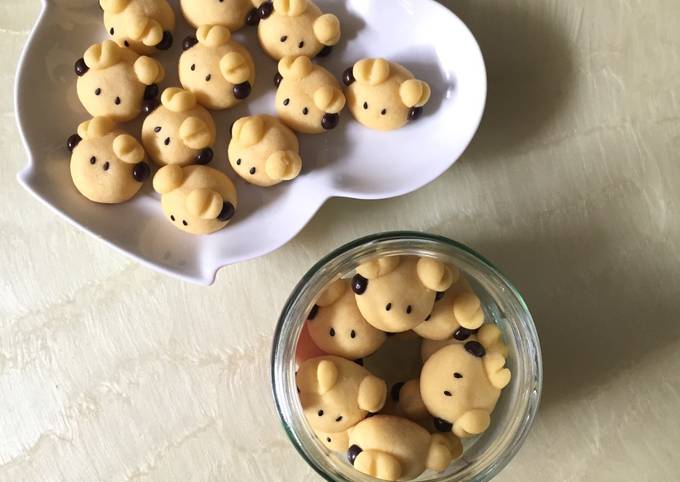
(248, 131)
(213, 35)
(283, 165)
(291, 8)
(329, 99)
(128, 149)
(295, 68)
(414, 93)
(372, 394)
(113, 6)
(472, 422)
(204, 203)
(378, 267)
(435, 275)
(327, 29)
(371, 71)
(332, 293)
(234, 68)
(491, 338)
(103, 55)
(467, 309)
(96, 127)
(168, 178)
(178, 100)
(148, 70)
(326, 376)
(195, 133)
(494, 364)
(146, 30)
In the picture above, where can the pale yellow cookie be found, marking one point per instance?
(196, 199)
(233, 14)
(384, 95)
(308, 98)
(219, 71)
(336, 393)
(296, 27)
(107, 164)
(395, 294)
(337, 327)
(115, 82)
(460, 385)
(263, 151)
(145, 26)
(179, 131)
(394, 448)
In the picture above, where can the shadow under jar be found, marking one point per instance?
(484, 456)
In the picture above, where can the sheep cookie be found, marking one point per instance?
(308, 98)
(263, 151)
(396, 293)
(489, 335)
(145, 26)
(196, 199)
(336, 394)
(233, 14)
(179, 131)
(394, 448)
(460, 385)
(219, 71)
(337, 327)
(115, 82)
(383, 95)
(107, 165)
(296, 27)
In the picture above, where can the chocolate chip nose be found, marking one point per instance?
(205, 156)
(166, 41)
(241, 91)
(151, 92)
(150, 105)
(141, 172)
(415, 113)
(73, 141)
(330, 121)
(189, 42)
(81, 67)
(359, 284)
(348, 76)
(442, 425)
(227, 212)
(253, 17)
(475, 348)
(352, 453)
(265, 10)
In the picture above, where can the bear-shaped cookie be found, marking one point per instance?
(179, 131)
(196, 199)
(296, 27)
(336, 394)
(115, 82)
(396, 293)
(219, 71)
(107, 165)
(308, 98)
(384, 95)
(145, 26)
(454, 309)
(489, 335)
(263, 151)
(233, 14)
(394, 448)
(460, 385)
(337, 327)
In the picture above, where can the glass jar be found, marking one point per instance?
(485, 455)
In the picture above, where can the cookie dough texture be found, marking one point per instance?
(144, 26)
(218, 70)
(107, 164)
(263, 151)
(337, 327)
(296, 27)
(229, 13)
(115, 82)
(196, 199)
(384, 95)
(179, 131)
(308, 99)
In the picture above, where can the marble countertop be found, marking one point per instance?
(109, 371)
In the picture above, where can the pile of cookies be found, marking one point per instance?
(397, 434)
(118, 80)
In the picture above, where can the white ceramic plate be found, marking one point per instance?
(351, 161)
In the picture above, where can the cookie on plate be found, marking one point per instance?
(145, 26)
(115, 82)
(218, 70)
(263, 151)
(384, 95)
(179, 131)
(107, 164)
(233, 14)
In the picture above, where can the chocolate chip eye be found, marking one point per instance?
(352, 334)
(339, 418)
(383, 112)
(208, 77)
(388, 307)
(193, 67)
(238, 162)
(126, 43)
(365, 105)
(166, 141)
(305, 111)
(112, 31)
(301, 44)
(328, 439)
(284, 38)
(184, 222)
(252, 170)
(332, 332)
(117, 101)
(320, 413)
(172, 218)
(447, 393)
(93, 160)
(409, 309)
(286, 101)
(157, 129)
(106, 166)
(457, 375)
(97, 91)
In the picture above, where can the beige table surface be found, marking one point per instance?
(109, 371)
